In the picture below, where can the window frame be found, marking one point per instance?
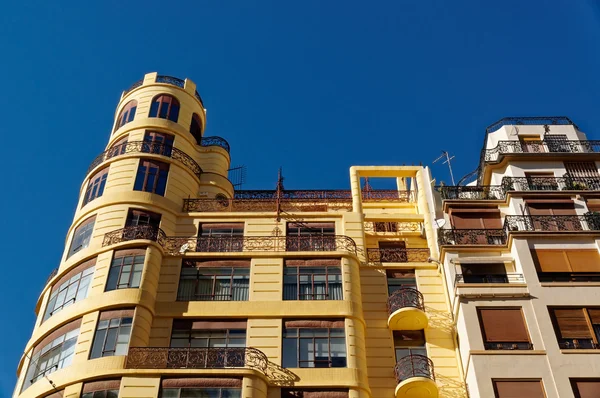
(298, 349)
(298, 283)
(146, 180)
(117, 268)
(513, 380)
(508, 344)
(95, 186)
(223, 393)
(126, 115)
(79, 233)
(117, 334)
(243, 273)
(593, 329)
(68, 283)
(158, 104)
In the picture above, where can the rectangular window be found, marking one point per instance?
(101, 389)
(201, 392)
(575, 265)
(220, 237)
(218, 280)
(409, 342)
(95, 187)
(314, 344)
(126, 269)
(54, 352)
(557, 143)
(586, 388)
(72, 287)
(151, 177)
(159, 143)
(82, 236)
(576, 328)
(312, 279)
(118, 148)
(142, 217)
(484, 273)
(112, 334)
(503, 328)
(311, 236)
(400, 278)
(518, 388)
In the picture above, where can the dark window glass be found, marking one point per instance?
(204, 392)
(151, 177)
(159, 143)
(312, 283)
(142, 217)
(69, 292)
(101, 394)
(95, 187)
(314, 348)
(225, 237)
(127, 114)
(82, 236)
(196, 128)
(112, 337)
(399, 279)
(125, 272)
(165, 107)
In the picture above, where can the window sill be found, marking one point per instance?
(507, 352)
(569, 284)
(581, 351)
(505, 285)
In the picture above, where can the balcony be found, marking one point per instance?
(471, 236)
(577, 223)
(393, 227)
(397, 255)
(293, 201)
(196, 358)
(489, 278)
(467, 192)
(154, 148)
(406, 310)
(566, 183)
(177, 246)
(495, 155)
(508, 346)
(578, 344)
(144, 232)
(415, 377)
(175, 81)
(568, 277)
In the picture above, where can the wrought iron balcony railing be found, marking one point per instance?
(393, 226)
(215, 141)
(550, 183)
(568, 277)
(578, 344)
(414, 366)
(404, 298)
(542, 146)
(316, 243)
(53, 273)
(529, 121)
(519, 345)
(587, 222)
(489, 278)
(146, 232)
(472, 236)
(154, 148)
(135, 85)
(397, 255)
(196, 358)
(468, 192)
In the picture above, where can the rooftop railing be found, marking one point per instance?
(215, 141)
(173, 81)
(529, 121)
(543, 146)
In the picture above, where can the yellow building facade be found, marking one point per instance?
(174, 284)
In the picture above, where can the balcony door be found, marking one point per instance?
(531, 143)
(553, 215)
(477, 226)
(541, 182)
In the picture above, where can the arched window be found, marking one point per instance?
(165, 107)
(196, 128)
(127, 114)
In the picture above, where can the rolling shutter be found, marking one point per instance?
(503, 325)
(519, 389)
(572, 323)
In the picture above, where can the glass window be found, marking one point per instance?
(82, 236)
(196, 128)
(70, 291)
(200, 283)
(112, 337)
(118, 148)
(158, 143)
(400, 278)
(312, 283)
(95, 187)
(127, 114)
(151, 177)
(101, 394)
(165, 107)
(55, 355)
(311, 236)
(204, 392)
(142, 217)
(222, 237)
(125, 272)
(409, 342)
(314, 347)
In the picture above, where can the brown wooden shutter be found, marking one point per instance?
(314, 394)
(503, 325)
(564, 209)
(582, 169)
(551, 260)
(588, 388)
(198, 324)
(492, 220)
(314, 324)
(539, 209)
(231, 225)
(400, 273)
(519, 389)
(127, 313)
(220, 263)
(594, 314)
(467, 221)
(584, 260)
(188, 382)
(593, 206)
(101, 385)
(572, 323)
(80, 268)
(308, 225)
(57, 333)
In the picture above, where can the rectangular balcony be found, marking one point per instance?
(541, 146)
(467, 192)
(472, 237)
(398, 255)
(551, 223)
(490, 278)
(568, 277)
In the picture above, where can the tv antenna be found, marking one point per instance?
(237, 176)
(445, 155)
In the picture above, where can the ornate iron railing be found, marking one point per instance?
(397, 255)
(403, 298)
(529, 120)
(147, 232)
(489, 278)
(542, 146)
(199, 98)
(393, 226)
(508, 345)
(173, 81)
(482, 192)
(471, 236)
(196, 358)
(414, 366)
(215, 141)
(550, 183)
(568, 277)
(264, 205)
(578, 344)
(155, 148)
(53, 273)
(176, 246)
(135, 85)
(587, 222)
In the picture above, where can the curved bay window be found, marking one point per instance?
(127, 114)
(72, 287)
(196, 128)
(214, 280)
(312, 279)
(151, 177)
(126, 269)
(95, 187)
(208, 387)
(101, 389)
(314, 344)
(82, 236)
(165, 107)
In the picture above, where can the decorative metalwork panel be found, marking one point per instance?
(532, 121)
(551, 184)
(414, 366)
(543, 146)
(196, 358)
(472, 237)
(467, 192)
(176, 246)
(135, 85)
(264, 205)
(52, 275)
(215, 141)
(587, 222)
(379, 195)
(397, 255)
(508, 346)
(393, 227)
(155, 148)
(147, 232)
(403, 298)
(490, 278)
(173, 81)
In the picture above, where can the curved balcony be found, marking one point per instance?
(154, 148)
(215, 141)
(196, 358)
(397, 255)
(406, 310)
(415, 377)
(145, 232)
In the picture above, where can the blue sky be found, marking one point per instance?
(312, 86)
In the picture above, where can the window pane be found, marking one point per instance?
(290, 353)
(113, 277)
(98, 343)
(154, 109)
(111, 342)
